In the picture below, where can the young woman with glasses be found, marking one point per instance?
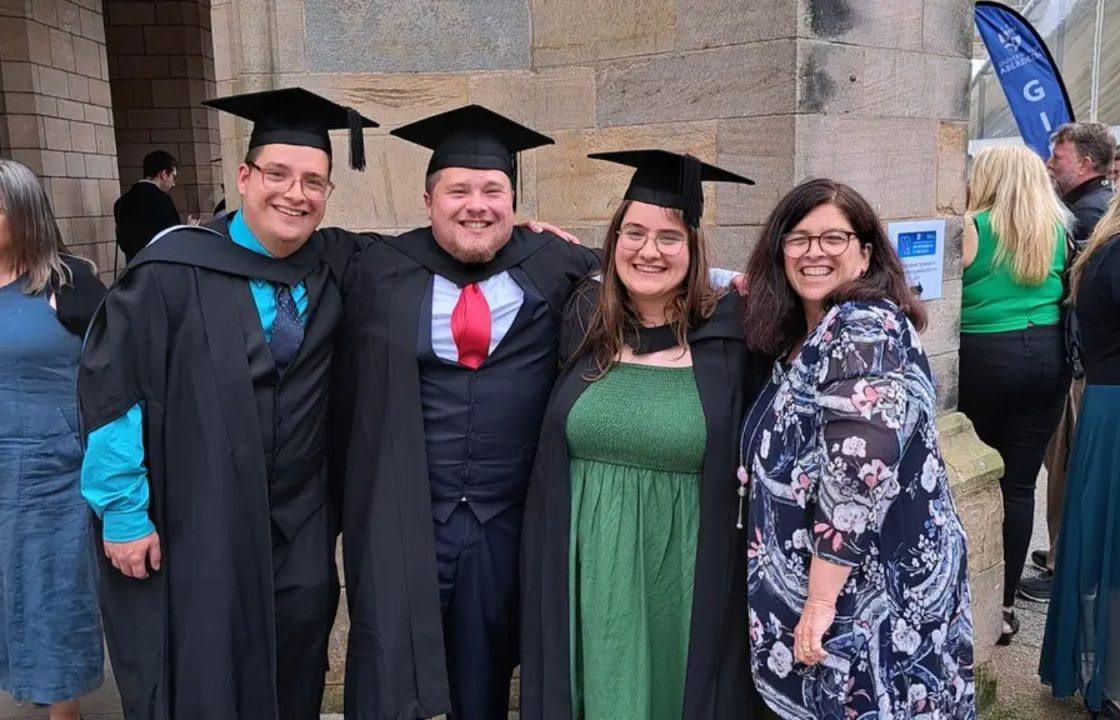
(857, 581)
(630, 552)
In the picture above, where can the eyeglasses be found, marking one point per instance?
(276, 180)
(831, 243)
(633, 238)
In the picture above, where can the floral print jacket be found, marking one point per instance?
(842, 461)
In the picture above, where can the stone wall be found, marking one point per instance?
(161, 62)
(56, 119)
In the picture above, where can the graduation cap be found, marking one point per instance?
(472, 137)
(670, 180)
(294, 116)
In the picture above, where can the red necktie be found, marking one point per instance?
(470, 326)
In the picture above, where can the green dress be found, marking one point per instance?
(636, 441)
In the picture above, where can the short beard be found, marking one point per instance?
(475, 255)
(472, 254)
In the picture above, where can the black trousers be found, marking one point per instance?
(306, 597)
(1012, 387)
(479, 592)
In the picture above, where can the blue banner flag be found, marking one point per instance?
(1027, 72)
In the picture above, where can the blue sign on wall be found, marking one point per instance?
(917, 244)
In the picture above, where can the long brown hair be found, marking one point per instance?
(614, 320)
(37, 245)
(774, 316)
(1107, 228)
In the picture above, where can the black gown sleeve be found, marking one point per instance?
(122, 363)
(77, 301)
(577, 318)
(343, 376)
(337, 246)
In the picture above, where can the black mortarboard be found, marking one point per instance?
(294, 116)
(670, 180)
(472, 137)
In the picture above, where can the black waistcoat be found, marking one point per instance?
(292, 406)
(481, 425)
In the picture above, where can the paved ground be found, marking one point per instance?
(1020, 695)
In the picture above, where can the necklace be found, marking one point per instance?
(744, 450)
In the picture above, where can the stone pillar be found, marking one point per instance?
(873, 94)
(882, 104)
(161, 62)
(56, 114)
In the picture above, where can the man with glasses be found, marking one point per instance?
(203, 393)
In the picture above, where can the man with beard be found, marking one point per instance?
(448, 356)
(203, 392)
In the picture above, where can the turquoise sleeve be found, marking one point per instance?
(114, 480)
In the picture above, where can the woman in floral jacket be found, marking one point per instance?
(858, 590)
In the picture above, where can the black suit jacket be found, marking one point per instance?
(141, 213)
(1088, 203)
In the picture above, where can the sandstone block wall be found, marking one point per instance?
(56, 114)
(161, 63)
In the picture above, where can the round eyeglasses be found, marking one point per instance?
(276, 180)
(633, 238)
(831, 243)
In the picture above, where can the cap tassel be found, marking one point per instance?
(692, 193)
(516, 178)
(357, 140)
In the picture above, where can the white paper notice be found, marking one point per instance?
(921, 246)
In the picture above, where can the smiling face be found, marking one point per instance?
(282, 220)
(817, 273)
(471, 212)
(651, 276)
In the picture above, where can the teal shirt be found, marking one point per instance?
(114, 479)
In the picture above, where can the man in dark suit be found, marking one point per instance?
(147, 208)
(1080, 167)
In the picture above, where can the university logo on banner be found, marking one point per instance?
(1027, 73)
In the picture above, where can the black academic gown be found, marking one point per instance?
(395, 667)
(246, 541)
(717, 685)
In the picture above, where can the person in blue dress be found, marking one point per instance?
(1081, 648)
(858, 600)
(50, 631)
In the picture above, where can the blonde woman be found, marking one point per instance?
(1081, 649)
(50, 632)
(1013, 369)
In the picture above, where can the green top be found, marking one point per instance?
(637, 439)
(641, 416)
(992, 301)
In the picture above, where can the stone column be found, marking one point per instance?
(56, 115)
(882, 104)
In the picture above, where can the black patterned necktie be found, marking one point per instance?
(287, 332)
